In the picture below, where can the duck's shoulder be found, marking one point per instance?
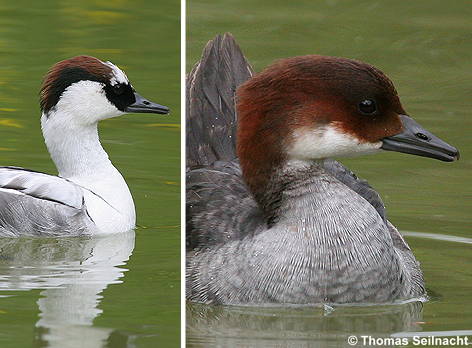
(220, 207)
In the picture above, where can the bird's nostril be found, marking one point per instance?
(422, 136)
(146, 102)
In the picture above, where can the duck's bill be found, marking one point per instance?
(416, 140)
(142, 105)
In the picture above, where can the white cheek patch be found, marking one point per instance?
(327, 142)
(118, 75)
(87, 101)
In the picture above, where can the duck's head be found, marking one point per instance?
(315, 107)
(91, 90)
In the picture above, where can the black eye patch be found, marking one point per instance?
(119, 89)
(121, 95)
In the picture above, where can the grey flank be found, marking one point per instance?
(38, 204)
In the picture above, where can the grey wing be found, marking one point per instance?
(211, 116)
(38, 204)
(220, 208)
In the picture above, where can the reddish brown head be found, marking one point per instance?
(312, 107)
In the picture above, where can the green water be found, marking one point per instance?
(112, 292)
(425, 48)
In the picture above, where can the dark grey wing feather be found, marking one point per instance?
(211, 116)
(38, 204)
(220, 208)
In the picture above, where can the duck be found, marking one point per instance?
(271, 217)
(89, 196)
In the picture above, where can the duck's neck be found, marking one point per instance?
(292, 190)
(75, 148)
(79, 156)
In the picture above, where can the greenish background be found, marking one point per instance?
(425, 47)
(143, 38)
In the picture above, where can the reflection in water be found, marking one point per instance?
(247, 326)
(73, 272)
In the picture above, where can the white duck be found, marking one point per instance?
(89, 196)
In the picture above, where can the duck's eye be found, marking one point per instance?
(367, 106)
(118, 89)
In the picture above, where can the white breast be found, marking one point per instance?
(109, 202)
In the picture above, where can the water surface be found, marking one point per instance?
(425, 48)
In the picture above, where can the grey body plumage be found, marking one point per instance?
(329, 240)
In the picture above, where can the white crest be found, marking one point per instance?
(118, 75)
